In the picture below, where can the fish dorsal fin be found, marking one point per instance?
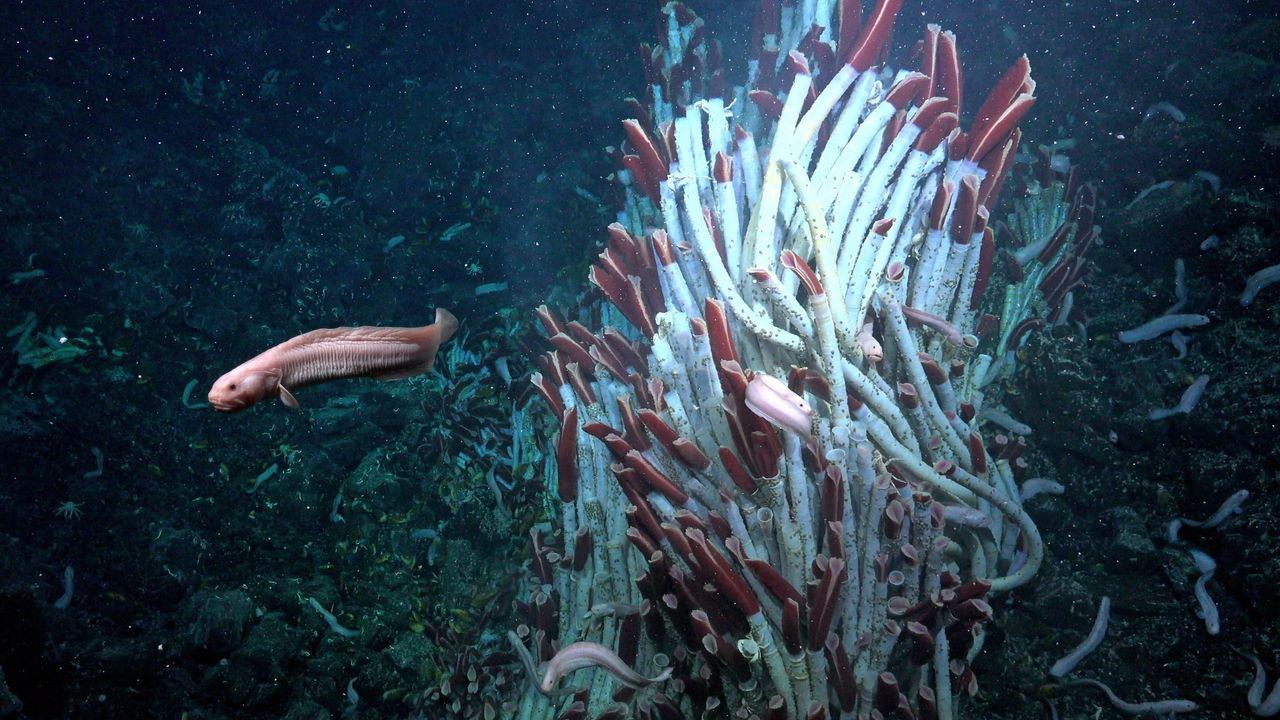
(287, 398)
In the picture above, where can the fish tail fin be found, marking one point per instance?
(429, 340)
(447, 323)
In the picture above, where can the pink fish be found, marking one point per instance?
(382, 353)
(579, 655)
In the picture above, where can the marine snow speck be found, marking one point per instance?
(382, 353)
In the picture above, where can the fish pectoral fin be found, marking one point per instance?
(287, 398)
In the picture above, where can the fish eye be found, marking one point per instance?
(233, 386)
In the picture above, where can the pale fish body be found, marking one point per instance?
(382, 353)
(579, 655)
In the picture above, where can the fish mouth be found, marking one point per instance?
(226, 406)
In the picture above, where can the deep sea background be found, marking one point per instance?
(199, 181)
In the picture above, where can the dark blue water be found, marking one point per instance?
(185, 185)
